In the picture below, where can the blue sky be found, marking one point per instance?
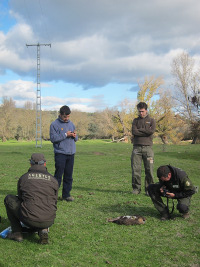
(99, 49)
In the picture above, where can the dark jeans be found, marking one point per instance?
(64, 165)
(13, 204)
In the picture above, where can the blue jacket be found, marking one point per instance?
(61, 143)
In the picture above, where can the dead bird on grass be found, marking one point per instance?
(128, 220)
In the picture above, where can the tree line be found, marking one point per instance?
(176, 111)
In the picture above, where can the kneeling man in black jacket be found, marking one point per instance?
(36, 202)
(175, 184)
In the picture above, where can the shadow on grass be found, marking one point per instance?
(128, 209)
(183, 155)
(4, 223)
(81, 188)
(31, 237)
(4, 153)
(4, 193)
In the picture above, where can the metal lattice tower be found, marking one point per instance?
(38, 137)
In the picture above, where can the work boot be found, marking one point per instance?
(69, 198)
(186, 215)
(165, 217)
(135, 192)
(17, 236)
(43, 234)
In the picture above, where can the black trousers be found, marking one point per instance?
(64, 168)
(13, 205)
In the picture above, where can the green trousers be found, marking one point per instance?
(156, 197)
(139, 154)
(13, 204)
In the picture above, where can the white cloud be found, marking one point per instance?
(18, 90)
(23, 91)
(93, 40)
(95, 43)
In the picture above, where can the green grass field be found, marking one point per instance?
(81, 235)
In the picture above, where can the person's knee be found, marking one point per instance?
(151, 187)
(182, 208)
(7, 199)
(12, 202)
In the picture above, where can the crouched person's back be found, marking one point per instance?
(36, 202)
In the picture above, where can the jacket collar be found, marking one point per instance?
(37, 168)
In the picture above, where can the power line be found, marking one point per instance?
(38, 137)
(41, 10)
(44, 21)
(46, 31)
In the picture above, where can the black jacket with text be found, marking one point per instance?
(38, 191)
(179, 184)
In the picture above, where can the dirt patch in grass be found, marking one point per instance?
(99, 153)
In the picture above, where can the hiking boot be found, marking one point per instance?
(43, 234)
(69, 198)
(17, 236)
(135, 192)
(165, 217)
(186, 215)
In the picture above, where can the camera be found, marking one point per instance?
(165, 191)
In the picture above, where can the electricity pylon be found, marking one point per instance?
(38, 137)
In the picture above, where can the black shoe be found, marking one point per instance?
(136, 192)
(69, 199)
(165, 217)
(17, 236)
(43, 234)
(186, 215)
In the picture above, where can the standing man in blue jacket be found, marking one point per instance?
(63, 137)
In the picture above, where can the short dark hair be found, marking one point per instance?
(65, 110)
(142, 105)
(163, 171)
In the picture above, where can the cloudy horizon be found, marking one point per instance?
(99, 49)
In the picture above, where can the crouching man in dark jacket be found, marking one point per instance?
(175, 184)
(35, 204)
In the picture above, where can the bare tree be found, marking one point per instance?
(186, 87)
(148, 88)
(7, 120)
(28, 105)
(168, 124)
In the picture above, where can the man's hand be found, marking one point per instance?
(161, 189)
(71, 134)
(74, 134)
(170, 195)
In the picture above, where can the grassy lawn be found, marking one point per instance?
(81, 235)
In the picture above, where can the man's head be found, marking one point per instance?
(164, 173)
(65, 113)
(142, 109)
(37, 159)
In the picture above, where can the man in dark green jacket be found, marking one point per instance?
(175, 184)
(35, 204)
(143, 128)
